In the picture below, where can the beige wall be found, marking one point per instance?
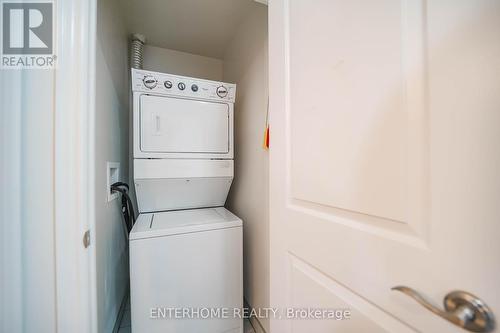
(182, 63)
(112, 112)
(245, 63)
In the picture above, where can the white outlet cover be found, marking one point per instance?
(112, 176)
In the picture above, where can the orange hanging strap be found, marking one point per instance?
(266, 131)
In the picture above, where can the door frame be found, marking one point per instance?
(74, 145)
(278, 63)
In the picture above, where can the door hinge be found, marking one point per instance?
(86, 239)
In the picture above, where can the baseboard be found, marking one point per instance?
(121, 312)
(257, 326)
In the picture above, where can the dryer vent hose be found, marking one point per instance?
(137, 51)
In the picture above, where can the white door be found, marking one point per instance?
(177, 125)
(385, 159)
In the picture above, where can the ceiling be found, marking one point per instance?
(203, 27)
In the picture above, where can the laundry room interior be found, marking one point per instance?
(249, 166)
(223, 41)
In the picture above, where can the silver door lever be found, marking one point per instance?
(460, 308)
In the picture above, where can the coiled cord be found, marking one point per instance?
(127, 207)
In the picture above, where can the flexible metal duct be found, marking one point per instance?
(137, 50)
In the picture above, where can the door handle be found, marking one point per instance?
(156, 123)
(460, 308)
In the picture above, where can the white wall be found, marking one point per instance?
(112, 128)
(182, 63)
(245, 63)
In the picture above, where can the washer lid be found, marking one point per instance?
(182, 222)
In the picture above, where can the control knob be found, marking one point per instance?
(167, 84)
(149, 81)
(221, 91)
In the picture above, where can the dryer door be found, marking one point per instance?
(177, 125)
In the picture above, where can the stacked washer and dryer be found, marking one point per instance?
(185, 248)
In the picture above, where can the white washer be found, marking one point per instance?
(183, 254)
(188, 259)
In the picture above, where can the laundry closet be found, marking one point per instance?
(182, 119)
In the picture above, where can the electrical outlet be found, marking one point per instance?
(112, 176)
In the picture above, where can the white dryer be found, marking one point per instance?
(185, 248)
(182, 141)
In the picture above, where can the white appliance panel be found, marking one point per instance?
(191, 270)
(169, 84)
(177, 125)
(174, 222)
(181, 193)
(182, 168)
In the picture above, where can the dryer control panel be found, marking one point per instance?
(184, 86)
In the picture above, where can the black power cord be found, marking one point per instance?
(127, 207)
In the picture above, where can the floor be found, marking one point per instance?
(125, 322)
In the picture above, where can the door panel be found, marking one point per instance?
(384, 133)
(375, 120)
(175, 125)
(365, 120)
(312, 289)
